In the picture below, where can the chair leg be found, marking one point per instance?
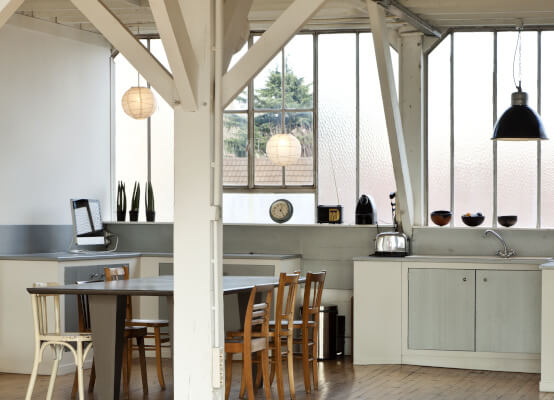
(158, 344)
(258, 382)
(279, 368)
(75, 384)
(273, 364)
(264, 364)
(290, 366)
(33, 378)
(305, 360)
(53, 376)
(228, 373)
(314, 356)
(242, 384)
(129, 360)
(142, 357)
(247, 371)
(80, 361)
(125, 371)
(92, 379)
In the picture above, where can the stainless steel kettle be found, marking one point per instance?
(392, 244)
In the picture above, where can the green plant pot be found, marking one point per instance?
(133, 216)
(150, 216)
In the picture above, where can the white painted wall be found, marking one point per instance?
(54, 121)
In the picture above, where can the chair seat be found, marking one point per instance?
(135, 331)
(66, 337)
(235, 344)
(150, 323)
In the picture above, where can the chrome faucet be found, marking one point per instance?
(506, 253)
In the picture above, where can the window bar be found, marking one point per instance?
(283, 116)
(425, 87)
(149, 131)
(539, 144)
(315, 130)
(357, 116)
(251, 144)
(452, 127)
(495, 144)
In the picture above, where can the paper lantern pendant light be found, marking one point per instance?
(139, 102)
(283, 149)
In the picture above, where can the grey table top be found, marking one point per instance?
(155, 286)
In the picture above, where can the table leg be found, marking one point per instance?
(107, 314)
(170, 319)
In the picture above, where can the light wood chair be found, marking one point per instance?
(130, 333)
(160, 338)
(281, 333)
(252, 339)
(56, 340)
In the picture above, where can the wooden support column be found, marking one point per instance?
(124, 41)
(7, 9)
(411, 110)
(404, 192)
(267, 46)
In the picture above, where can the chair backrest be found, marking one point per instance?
(120, 274)
(313, 291)
(286, 297)
(83, 309)
(40, 311)
(257, 314)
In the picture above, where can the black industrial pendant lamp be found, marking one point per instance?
(519, 122)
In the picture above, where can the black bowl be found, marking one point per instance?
(507, 220)
(473, 220)
(441, 217)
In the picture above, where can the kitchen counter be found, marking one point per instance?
(464, 259)
(260, 256)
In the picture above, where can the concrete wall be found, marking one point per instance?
(55, 121)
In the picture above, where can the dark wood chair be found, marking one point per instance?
(130, 333)
(161, 339)
(253, 338)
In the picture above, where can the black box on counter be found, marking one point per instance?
(329, 214)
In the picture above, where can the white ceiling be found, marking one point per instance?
(335, 14)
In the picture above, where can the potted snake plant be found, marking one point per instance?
(135, 202)
(149, 202)
(121, 201)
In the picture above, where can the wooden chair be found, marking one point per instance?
(281, 332)
(56, 340)
(254, 338)
(159, 337)
(313, 291)
(130, 333)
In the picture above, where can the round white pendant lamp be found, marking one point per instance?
(139, 102)
(283, 149)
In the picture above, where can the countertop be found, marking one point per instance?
(67, 256)
(463, 259)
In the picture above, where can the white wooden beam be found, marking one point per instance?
(280, 32)
(393, 119)
(236, 28)
(124, 41)
(178, 48)
(7, 9)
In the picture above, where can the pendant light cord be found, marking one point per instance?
(517, 51)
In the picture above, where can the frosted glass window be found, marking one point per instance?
(547, 146)
(235, 149)
(266, 173)
(473, 157)
(337, 122)
(376, 170)
(131, 161)
(299, 72)
(300, 124)
(438, 134)
(517, 161)
(253, 208)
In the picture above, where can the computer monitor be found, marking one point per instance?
(88, 229)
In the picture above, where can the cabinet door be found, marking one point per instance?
(441, 313)
(508, 311)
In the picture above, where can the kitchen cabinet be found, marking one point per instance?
(441, 309)
(508, 305)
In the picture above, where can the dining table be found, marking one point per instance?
(107, 305)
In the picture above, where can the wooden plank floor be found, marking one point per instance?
(340, 380)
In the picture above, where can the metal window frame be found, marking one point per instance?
(495, 31)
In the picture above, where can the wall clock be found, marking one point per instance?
(281, 210)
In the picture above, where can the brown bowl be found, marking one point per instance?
(507, 220)
(474, 220)
(441, 217)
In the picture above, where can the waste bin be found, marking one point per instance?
(327, 344)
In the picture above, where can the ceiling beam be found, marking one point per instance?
(124, 41)
(178, 48)
(236, 28)
(399, 155)
(7, 9)
(396, 8)
(269, 44)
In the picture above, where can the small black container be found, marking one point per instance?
(150, 216)
(329, 214)
(121, 216)
(133, 216)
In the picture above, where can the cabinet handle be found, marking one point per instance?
(464, 279)
(485, 279)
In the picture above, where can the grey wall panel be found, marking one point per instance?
(143, 237)
(35, 238)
